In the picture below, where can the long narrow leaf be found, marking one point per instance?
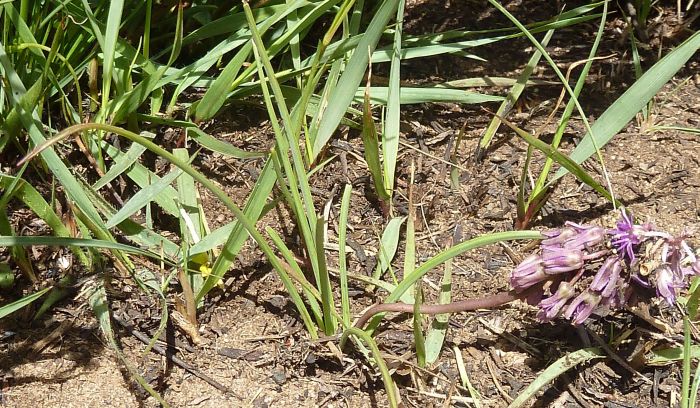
(632, 101)
(343, 94)
(553, 371)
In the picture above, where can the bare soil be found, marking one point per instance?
(252, 340)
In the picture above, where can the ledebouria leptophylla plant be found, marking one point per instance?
(588, 270)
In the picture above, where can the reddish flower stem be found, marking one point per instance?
(487, 302)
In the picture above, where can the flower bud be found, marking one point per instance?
(528, 273)
(550, 307)
(582, 307)
(587, 238)
(561, 260)
(606, 279)
(557, 237)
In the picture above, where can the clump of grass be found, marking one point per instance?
(46, 57)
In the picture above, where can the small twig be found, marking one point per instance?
(40, 345)
(494, 377)
(174, 359)
(617, 358)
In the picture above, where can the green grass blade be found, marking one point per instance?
(78, 242)
(189, 206)
(685, 379)
(253, 210)
(342, 261)
(391, 133)
(144, 177)
(563, 160)
(122, 163)
(465, 378)
(19, 304)
(633, 100)
(553, 371)
(669, 355)
(418, 337)
(343, 94)
(388, 245)
(31, 121)
(143, 197)
(539, 191)
(409, 256)
(694, 389)
(111, 34)
(513, 96)
(219, 146)
(413, 95)
(438, 328)
(24, 192)
(215, 96)
(391, 391)
(371, 148)
(288, 256)
(141, 235)
(327, 303)
(311, 293)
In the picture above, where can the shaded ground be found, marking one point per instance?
(271, 362)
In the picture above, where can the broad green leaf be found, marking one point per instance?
(670, 355)
(390, 242)
(632, 101)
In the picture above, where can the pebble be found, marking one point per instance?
(279, 377)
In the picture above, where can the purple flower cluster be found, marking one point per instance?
(589, 270)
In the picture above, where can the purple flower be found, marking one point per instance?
(588, 236)
(582, 307)
(666, 284)
(615, 299)
(556, 238)
(561, 260)
(550, 307)
(528, 273)
(574, 236)
(695, 267)
(607, 278)
(627, 236)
